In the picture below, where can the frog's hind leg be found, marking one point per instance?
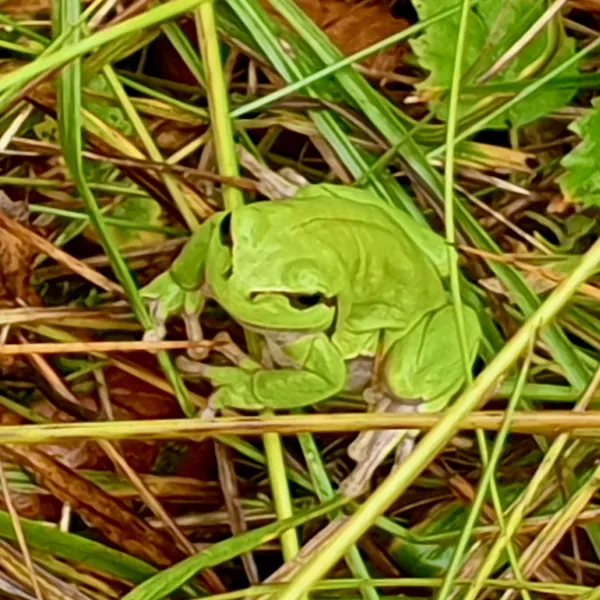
(423, 369)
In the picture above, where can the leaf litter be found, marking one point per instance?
(529, 178)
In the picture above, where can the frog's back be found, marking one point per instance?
(319, 215)
(382, 277)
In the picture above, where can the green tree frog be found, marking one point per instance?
(331, 278)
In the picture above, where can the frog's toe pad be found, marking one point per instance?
(354, 487)
(191, 367)
(359, 449)
(208, 413)
(157, 334)
(198, 353)
(405, 448)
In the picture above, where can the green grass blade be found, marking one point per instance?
(69, 546)
(80, 46)
(69, 111)
(325, 492)
(486, 480)
(174, 577)
(186, 51)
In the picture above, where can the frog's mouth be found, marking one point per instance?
(282, 310)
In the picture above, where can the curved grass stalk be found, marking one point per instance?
(488, 480)
(70, 126)
(80, 45)
(517, 511)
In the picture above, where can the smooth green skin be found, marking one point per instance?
(380, 280)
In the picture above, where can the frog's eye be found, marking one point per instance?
(225, 231)
(303, 301)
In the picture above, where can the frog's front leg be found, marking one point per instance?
(179, 291)
(319, 374)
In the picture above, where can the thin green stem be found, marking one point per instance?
(461, 546)
(518, 509)
(449, 167)
(324, 491)
(218, 104)
(224, 143)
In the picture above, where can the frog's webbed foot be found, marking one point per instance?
(209, 412)
(293, 177)
(405, 447)
(159, 331)
(359, 449)
(371, 448)
(379, 445)
(165, 298)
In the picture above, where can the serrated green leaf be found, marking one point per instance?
(493, 28)
(581, 181)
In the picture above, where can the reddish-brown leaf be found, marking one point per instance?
(355, 26)
(99, 510)
(133, 398)
(15, 270)
(592, 6)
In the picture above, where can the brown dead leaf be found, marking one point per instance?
(15, 269)
(132, 398)
(355, 26)
(30, 8)
(99, 510)
(592, 6)
(41, 244)
(17, 210)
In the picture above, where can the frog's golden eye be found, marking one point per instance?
(225, 231)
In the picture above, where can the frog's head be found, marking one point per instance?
(266, 273)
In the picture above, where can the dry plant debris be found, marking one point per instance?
(172, 514)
